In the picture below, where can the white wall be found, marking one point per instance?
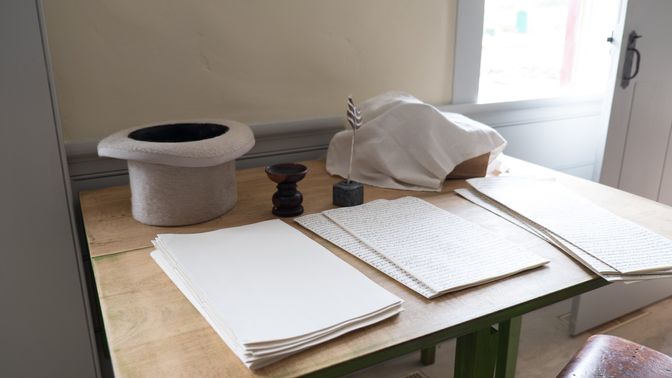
(120, 63)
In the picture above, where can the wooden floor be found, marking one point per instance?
(545, 343)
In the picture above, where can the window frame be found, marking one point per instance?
(467, 60)
(468, 45)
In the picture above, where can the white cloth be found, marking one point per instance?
(407, 144)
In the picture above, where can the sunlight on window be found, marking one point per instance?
(545, 48)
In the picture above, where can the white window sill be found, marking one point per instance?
(559, 102)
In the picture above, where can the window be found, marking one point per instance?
(532, 49)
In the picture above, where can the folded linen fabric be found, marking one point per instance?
(405, 143)
(268, 290)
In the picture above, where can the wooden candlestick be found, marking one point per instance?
(287, 199)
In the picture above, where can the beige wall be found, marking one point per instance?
(119, 63)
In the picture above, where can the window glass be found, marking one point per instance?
(545, 48)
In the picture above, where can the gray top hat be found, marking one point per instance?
(202, 143)
(180, 173)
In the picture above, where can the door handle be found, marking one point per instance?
(631, 52)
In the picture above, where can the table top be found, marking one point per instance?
(153, 330)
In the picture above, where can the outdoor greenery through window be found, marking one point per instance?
(545, 48)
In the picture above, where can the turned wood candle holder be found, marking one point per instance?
(287, 200)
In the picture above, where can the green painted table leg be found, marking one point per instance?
(476, 354)
(509, 336)
(428, 355)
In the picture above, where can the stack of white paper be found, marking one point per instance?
(609, 245)
(428, 249)
(268, 290)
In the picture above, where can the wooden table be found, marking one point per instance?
(153, 330)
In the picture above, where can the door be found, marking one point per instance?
(638, 139)
(637, 156)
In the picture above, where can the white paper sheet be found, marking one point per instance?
(268, 290)
(617, 242)
(597, 266)
(440, 249)
(327, 229)
(267, 356)
(481, 200)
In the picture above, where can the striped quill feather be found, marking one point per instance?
(354, 117)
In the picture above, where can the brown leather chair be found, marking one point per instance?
(611, 356)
